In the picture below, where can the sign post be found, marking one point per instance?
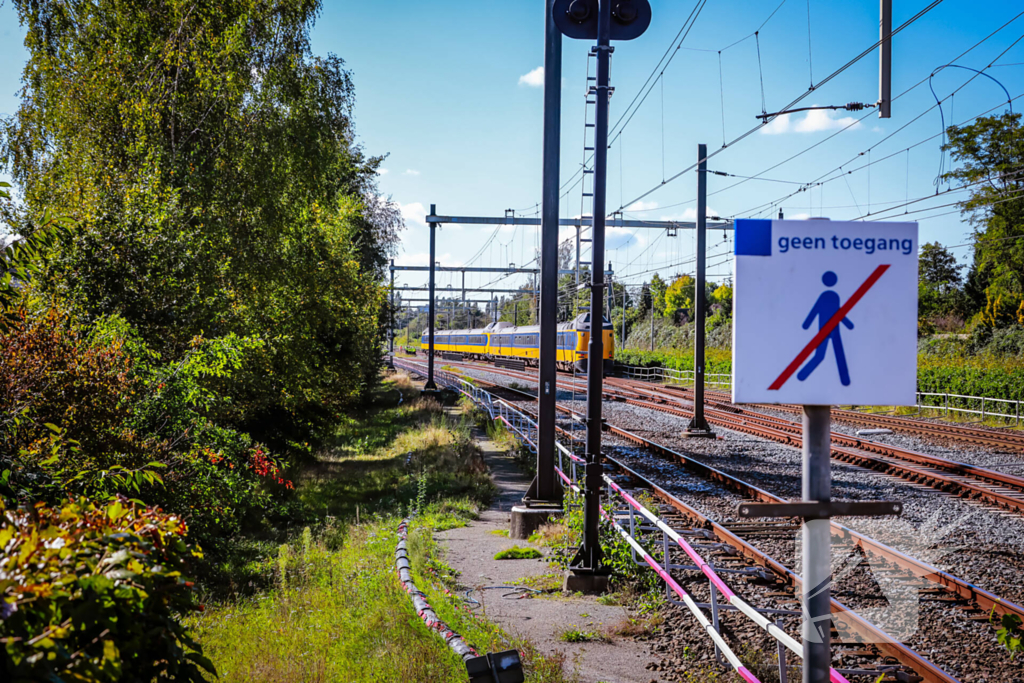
(825, 313)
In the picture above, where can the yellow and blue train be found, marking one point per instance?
(505, 340)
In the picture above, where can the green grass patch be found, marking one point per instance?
(575, 635)
(518, 553)
(546, 583)
(328, 605)
(500, 532)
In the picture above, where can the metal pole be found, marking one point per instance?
(885, 60)
(622, 340)
(515, 313)
(468, 325)
(430, 308)
(391, 320)
(817, 540)
(588, 558)
(651, 291)
(698, 425)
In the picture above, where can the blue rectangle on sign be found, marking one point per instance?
(753, 237)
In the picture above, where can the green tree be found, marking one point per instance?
(937, 266)
(657, 290)
(679, 296)
(939, 285)
(990, 153)
(722, 296)
(209, 162)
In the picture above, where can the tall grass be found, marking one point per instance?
(334, 609)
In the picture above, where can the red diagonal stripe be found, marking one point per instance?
(827, 329)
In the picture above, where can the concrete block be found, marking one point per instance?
(527, 520)
(588, 584)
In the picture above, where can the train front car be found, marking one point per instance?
(581, 328)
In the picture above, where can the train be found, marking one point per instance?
(505, 340)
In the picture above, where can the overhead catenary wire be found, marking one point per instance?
(857, 121)
(782, 111)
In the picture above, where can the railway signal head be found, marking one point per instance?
(578, 18)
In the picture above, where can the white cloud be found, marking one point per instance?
(799, 217)
(823, 119)
(413, 213)
(689, 215)
(411, 171)
(382, 171)
(776, 126)
(815, 121)
(534, 79)
(642, 206)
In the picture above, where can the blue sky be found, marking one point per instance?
(449, 91)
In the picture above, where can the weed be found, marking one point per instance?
(575, 635)
(518, 553)
(630, 627)
(500, 532)
(546, 583)
(1009, 633)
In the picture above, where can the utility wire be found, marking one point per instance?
(801, 97)
(854, 123)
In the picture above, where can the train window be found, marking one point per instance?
(480, 340)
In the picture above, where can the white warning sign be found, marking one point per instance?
(825, 313)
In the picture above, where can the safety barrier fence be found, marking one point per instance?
(670, 376)
(985, 406)
(640, 519)
(947, 403)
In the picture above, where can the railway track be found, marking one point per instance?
(974, 603)
(971, 482)
(990, 438)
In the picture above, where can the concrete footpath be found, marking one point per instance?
(541, 619)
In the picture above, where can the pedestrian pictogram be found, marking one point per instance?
(825, 308)
(794, 337)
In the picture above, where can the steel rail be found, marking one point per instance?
(956, 432)
(964, 481)
(845, 618)
(959, 587)
(779, 429)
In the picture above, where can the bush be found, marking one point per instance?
(92, 593)
(93, 412)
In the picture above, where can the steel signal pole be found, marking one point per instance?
(698, 425)
(430, 386)
(546, 489)
(588, 558)
(885, 60)
(391, 320)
